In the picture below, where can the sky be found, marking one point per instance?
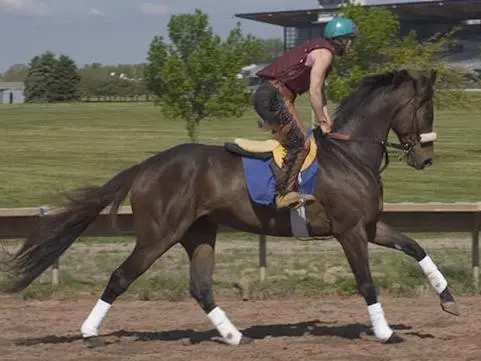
(116, 31)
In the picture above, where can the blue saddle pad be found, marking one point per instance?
(261, 183)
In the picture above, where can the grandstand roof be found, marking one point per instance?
(451, 10)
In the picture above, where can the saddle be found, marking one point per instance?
(266, 149)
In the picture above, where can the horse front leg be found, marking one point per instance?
(355, 245)
(390, 238)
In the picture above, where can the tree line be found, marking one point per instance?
(53, 78)
(195, 75)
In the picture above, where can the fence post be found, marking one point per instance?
(262, 257)
(475, 249)
(55, 266)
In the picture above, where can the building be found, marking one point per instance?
(426, 17)
(11, 92)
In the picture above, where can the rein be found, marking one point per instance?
(382, 143)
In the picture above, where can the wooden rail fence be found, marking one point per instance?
(433, 217)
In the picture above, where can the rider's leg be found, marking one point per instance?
(261, 103)
(297, 146)
(280, 116)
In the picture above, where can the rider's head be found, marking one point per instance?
(340, 31)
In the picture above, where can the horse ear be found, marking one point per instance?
(399, 77)
(433, 76)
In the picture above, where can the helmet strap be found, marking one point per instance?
(339, 48)
(340, 44)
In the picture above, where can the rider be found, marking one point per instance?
(300, 69)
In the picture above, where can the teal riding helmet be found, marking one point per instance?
(340, 26)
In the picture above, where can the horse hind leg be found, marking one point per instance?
(390, 238)
(133, 267)
(199, 243)
(153, 240)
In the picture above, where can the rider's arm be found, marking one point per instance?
(324, 99)
(324, 108)
(321, 60)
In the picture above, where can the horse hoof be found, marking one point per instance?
(246, 340)
(395, 338)
(450, 307)
(94, 342)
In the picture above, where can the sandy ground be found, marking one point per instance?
(301, 329)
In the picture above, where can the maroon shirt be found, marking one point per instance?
(290, 68)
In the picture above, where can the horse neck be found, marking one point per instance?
(366, 130)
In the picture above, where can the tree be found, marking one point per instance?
(67, 80)
(49, 79)
(40, 78)
(91, 77)
(195, 76)
(379, 47)
(124, 80)
(16, 72)
(270, 48)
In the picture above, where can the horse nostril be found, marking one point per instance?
(428, 162)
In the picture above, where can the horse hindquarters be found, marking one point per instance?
(162, 215)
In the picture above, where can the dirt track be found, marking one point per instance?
(300, 329)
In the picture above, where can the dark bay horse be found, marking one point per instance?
(184, 193)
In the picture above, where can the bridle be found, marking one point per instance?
(406, 146)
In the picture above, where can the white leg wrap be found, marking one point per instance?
(379, 323)
(91, 325)
(435, 277)
(221, 322)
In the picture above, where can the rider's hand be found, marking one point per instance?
(326, 128)
(326, 123)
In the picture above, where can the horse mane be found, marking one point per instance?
(371, 86)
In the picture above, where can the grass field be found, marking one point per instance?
(45, 148)
(49, 148)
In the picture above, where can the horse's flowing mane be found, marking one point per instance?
(371, 86)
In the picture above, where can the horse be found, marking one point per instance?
(184, 193)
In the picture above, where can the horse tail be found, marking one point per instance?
(56, 232)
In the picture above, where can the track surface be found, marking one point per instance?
(294, 329)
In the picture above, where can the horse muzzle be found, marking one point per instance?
(422, 153)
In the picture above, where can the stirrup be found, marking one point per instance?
(306, 199)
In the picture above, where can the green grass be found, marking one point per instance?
(49, 148)
(294, 268)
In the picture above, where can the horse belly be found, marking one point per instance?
(273, 222)
(259, 221)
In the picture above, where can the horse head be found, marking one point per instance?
(413, 121)
(394, 100)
